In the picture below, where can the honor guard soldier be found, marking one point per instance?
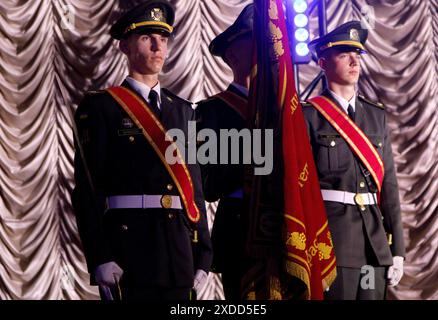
(229, 110)
(353, 156)
(142, 221)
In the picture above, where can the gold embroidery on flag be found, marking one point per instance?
(304, 175)
(276, 37)
(297, 240)
(273, 10)
(325, 251)
(294, 103)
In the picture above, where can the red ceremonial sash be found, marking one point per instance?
(236, 102)
(354, 136)
(155, 133)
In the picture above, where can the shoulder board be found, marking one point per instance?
(208, 99)
(305, 104)
(171, 96)
(201, 101)
(94, 92)
(376, 104)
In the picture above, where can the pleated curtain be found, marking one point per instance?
(52, 52)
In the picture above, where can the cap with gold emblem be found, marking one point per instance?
(242, 26)
(349, 35)
(150, 16)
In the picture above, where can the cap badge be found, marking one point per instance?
(354, 35)
(157, 14)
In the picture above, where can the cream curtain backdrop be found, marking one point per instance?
(51, 52)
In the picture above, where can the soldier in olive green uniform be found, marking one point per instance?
(368, 236)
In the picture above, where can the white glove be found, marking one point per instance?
(200, 280)
(108, 275)
(395, 272)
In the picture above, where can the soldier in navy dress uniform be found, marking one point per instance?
(363, 210)
(228, 110)
(138, 237)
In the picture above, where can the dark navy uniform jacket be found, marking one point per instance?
(221, 180)
(152, 246)
(360, 237)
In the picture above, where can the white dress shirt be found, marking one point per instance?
(144, 89)
(344, 102)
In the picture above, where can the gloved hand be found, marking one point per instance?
(200, 280)
(395, 272)
(107, 275)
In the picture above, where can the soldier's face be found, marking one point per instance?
(342, 67)
(146, 52)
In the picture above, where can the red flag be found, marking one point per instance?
(308, 248)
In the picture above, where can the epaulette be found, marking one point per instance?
(207, 99)
(200, 102)
(93, 92)
(376, 104)
(305, 104)
(171, 96)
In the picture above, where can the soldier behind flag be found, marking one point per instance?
(352, 151)
(288, 240)
(142, 221)
(229, 110)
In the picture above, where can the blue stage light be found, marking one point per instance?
(300, 6)
(301, 35)
(298, 21)
(301, 20)
(302, 49)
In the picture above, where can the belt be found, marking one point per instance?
(360, 199)
(144, 201)
(236, 194)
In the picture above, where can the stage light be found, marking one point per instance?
(300, 6)
(299, 23)
(301, 20)
(302, 49)
(301, 35)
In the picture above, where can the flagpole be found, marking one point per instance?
(322, 18)
(289, 25)
(297, 79)
(322, 21)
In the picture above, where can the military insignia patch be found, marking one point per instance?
(354, 35)
(127, 123)
(157, 14)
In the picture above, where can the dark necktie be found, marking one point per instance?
(153, 101)
(350, 112)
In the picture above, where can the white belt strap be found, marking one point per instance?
(144, 201)
(349, 197)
